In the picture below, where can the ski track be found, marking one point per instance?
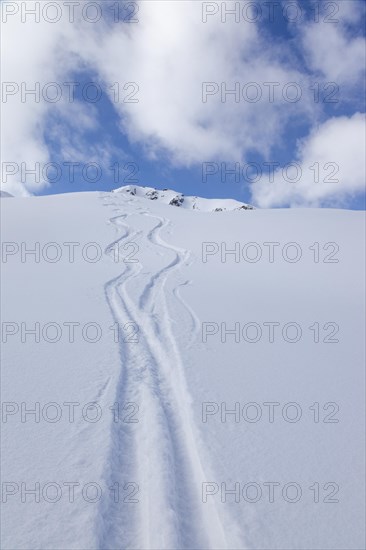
(163, 452)
(195, 324)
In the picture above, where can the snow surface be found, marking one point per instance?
(163, 460)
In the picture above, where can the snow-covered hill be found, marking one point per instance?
(168, 196)
(175, 380)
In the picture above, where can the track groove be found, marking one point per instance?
(163, 452)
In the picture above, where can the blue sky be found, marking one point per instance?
(320, 50)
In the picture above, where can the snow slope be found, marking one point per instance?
(133, 443)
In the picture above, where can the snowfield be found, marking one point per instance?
(180, 378)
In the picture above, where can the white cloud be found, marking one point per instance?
(331, 49)
(170, 54)
(34, 54)
(329, 167)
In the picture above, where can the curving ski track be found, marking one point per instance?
(163, 452)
